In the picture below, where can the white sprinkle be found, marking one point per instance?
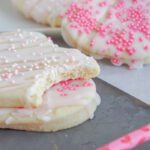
(6, 61)
(9, 120)
(44, 118)
(12, 81)
(30, 69)
(67, 60)
(24, 67)
(37, 67)
(16, 72)
(24, 60)
(14, 65)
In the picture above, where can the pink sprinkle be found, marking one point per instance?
(71, 89)
(87, 84)
(146, 48)
(65, 87)
(75, 85)
(102, 4)
(120, 4)
(63, 94)
(133, 61)
(64, 83)
(130, 51)
(140, 39)
(59, 90)
(7, 75)
(115, 61)
(134, 1)
(49, 39)
(79, 79)
(92, 43)
(110, 14)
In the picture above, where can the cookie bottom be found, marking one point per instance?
(63, 118)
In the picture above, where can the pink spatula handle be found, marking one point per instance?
(129, 141)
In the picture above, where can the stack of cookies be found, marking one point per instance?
(44, 87)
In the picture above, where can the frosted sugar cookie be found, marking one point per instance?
(65, 104)
(117, 30)
(43, 86)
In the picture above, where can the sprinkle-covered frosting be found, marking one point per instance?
(76, 92)
(30, 63)
(119, 30)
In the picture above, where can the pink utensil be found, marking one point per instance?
(130, 140)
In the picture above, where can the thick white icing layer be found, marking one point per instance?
(67, 93)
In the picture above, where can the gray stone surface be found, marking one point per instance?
(118, 114)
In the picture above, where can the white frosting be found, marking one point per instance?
(105, 37)
(30, 63)
(68, 93)
(44, 11)
(74, 92)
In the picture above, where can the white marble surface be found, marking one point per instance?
(133, 82)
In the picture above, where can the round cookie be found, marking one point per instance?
(43, 11)
(65, 105)
(117, 30)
